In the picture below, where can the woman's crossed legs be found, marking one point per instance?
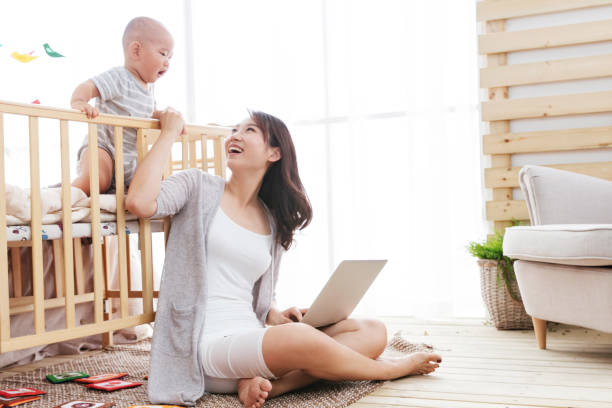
(299, 355)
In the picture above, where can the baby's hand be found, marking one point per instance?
(86, 108)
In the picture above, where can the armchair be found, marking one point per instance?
(564, 259)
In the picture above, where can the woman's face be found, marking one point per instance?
(247, 149)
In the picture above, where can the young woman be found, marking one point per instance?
(217, 327)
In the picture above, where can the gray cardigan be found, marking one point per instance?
(176, 375)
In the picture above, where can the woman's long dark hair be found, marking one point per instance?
(282, 189)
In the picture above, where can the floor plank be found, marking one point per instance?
(486, 367)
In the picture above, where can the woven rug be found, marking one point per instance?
(134, 359)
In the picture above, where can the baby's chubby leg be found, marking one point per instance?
(105, 171)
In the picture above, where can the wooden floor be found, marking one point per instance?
(484, 367)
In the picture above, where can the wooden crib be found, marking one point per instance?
(201, 147)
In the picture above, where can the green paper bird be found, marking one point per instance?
(50, 51)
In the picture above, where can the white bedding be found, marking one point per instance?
(18, 206)
(18, 214)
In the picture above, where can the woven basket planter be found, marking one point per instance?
(505, 312)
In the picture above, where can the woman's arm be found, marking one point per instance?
(146, 183)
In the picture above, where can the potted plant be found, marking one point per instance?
(498, 285)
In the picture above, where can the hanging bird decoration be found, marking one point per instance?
(23, 57)
(50, 51)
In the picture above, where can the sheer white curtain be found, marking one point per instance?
(382, 100)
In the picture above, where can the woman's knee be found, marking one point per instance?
(376, 332)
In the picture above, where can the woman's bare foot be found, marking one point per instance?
(415, 364)
(252, 392)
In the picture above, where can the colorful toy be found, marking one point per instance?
(100, 378)
(113, 385)
(13, 402)
(86, 404)
(60, 378)
(20, 392)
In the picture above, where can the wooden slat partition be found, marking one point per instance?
(547, 106)
(70, 274)
(499, 126)
(549, 37)
(504, 9)
(548, 141)
(500, 143)
(597, 66)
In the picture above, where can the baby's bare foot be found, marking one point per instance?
(253, 392)
(416, 364)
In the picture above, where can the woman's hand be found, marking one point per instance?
(146, 184)
(170, 122)
(293, 314)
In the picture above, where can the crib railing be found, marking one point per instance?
(68, 271)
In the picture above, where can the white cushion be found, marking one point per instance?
(572, 244)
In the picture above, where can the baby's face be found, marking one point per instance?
(156, 55)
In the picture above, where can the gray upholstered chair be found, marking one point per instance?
(564, 259)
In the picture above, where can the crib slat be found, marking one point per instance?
(94, 188)
(219, 157)
(120, 197)
(129, 267)
(185, 150)
(78, 266)
(16, 267)
(58, 266)
(192, 154)
(107, 337)
(67, 225)
(166, 222)
(144, 237)
(5, 323)
(204, 147)
(36, 226)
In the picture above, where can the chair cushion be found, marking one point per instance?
(573, 244)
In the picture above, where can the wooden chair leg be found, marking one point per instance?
(539, 326)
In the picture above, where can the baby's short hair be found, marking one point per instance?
(139, 29)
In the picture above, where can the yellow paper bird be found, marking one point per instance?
(23, 57)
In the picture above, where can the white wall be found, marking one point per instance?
(558, 88)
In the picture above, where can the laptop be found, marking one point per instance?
(343, 291)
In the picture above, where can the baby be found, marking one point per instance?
(127, 91)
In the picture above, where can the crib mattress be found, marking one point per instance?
(79, 230)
